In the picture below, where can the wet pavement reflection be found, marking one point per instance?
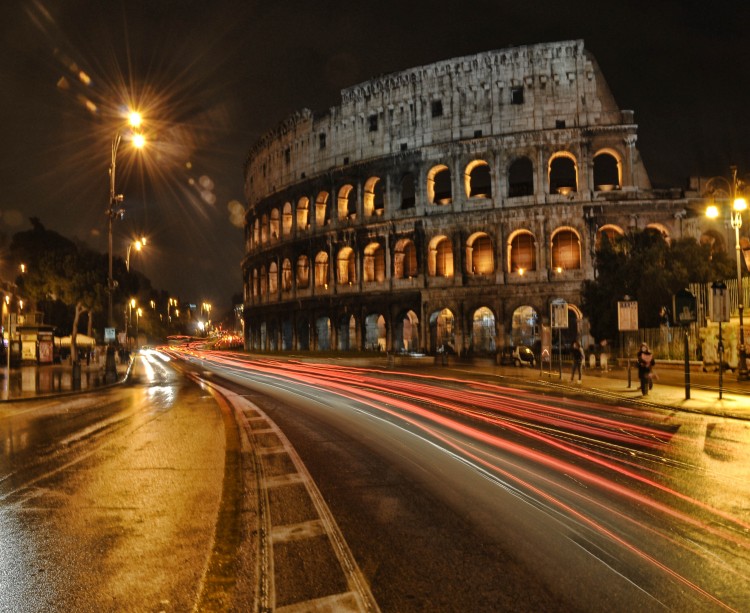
(31, 381)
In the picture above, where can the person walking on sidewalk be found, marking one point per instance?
(578, 358)
(646, 365)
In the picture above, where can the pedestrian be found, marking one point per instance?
(646, 365)
(578, 358)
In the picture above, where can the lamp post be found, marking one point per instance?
(139, 244)
(114, 210)
(739, 205)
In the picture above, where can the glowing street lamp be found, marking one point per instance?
(139, 244)
(739, 206)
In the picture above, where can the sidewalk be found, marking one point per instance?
(38, 381)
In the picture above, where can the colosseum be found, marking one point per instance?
(444, 207)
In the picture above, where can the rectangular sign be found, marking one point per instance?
(559, 314)
(627, 315)
(109, 335)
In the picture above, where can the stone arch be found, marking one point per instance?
(274, 227)
(286, 219)
(373, 269)
(565, 249)
(287, 335)
(375, 332)
(714, 241)
(521, 252)
(439, 190)
(286, 275)
(607, 170)
(256, 232)
(303, 213)
(322, 214)
(347, 333)
(440, 261)
(406, 332)
(443, 330)
(524, 327)
(611, 232)
(303, 272)
(263, 281)
(347, 202)
(478, 180)
(483, 331)
(562, 173)
(321, 270)
(480, 254)
(303, 333)
(256, 282)
(520, 178)
(373, 202)
(405, 265)
(264, 229)
(273, 278)
(346, 266)
(660, 228)
(323, 333)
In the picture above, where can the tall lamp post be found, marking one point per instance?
(739, 205)
(139, 244)
(114, 210)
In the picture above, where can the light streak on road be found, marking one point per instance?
(598, 466)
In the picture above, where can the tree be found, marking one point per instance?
(644, 266)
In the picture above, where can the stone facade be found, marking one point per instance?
(445, 206)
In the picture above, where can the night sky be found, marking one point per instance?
(212, 76)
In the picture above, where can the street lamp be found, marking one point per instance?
(739, 205)
(139, 244)
(114, 210)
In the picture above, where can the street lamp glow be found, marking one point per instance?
(135, 119)
(139, 141)
(739, 205)
(712, 211)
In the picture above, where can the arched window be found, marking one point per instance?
(373, 202)
(521, 252)
(608, 232)
(273, 278)
(408, 191)
(375, 334)
(322, 214)
(477, 180)
(347, 271)
(480, 254)
(303, 272)
(441, 257)
(347, 202)
(405, 259)
(256, 232)
(264, 229)
(520, 178)
(563, 174)
(442, 330)
(256, 282)
(524, 328)
(714, 242)
(566, 250)
(439, 185)
(374, 264)
(607, 171)
(321, 270)
(286, 219)
(303, 213)
(275, 226)
(286, 275)
(483, 331)
(263, 281)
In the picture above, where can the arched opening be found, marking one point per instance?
(563, 174)
(256, 232)
(607, 171)
(347, 333)
(275, 225)
(661, 229)
(566, 250)
(439, 189)
(375, 333)
(286, 219)
(347, 271)
(374, 264)
(256, 282)
(713, 242)
(303, 272)
(303, 334)
(520, 178)
(303, 212)
(273, 278)
(263, 281)
(322, 214)
(442, 331)
(321, 270)
(440, 262)
(524, 328)
(483, 331)
(405, 259)
(287, 335)
(323, 333)
(264, 229)
(286, 275)
(347, 203)
(521, 252)
(610, 233)
(373, 202)
(408, 191)
(406, 333)
(478, 180)
(480, 254)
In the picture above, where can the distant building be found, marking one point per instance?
(445, 206)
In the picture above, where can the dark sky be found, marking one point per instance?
(211, 76)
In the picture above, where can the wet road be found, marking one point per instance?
(109, 501)
(458, 495)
